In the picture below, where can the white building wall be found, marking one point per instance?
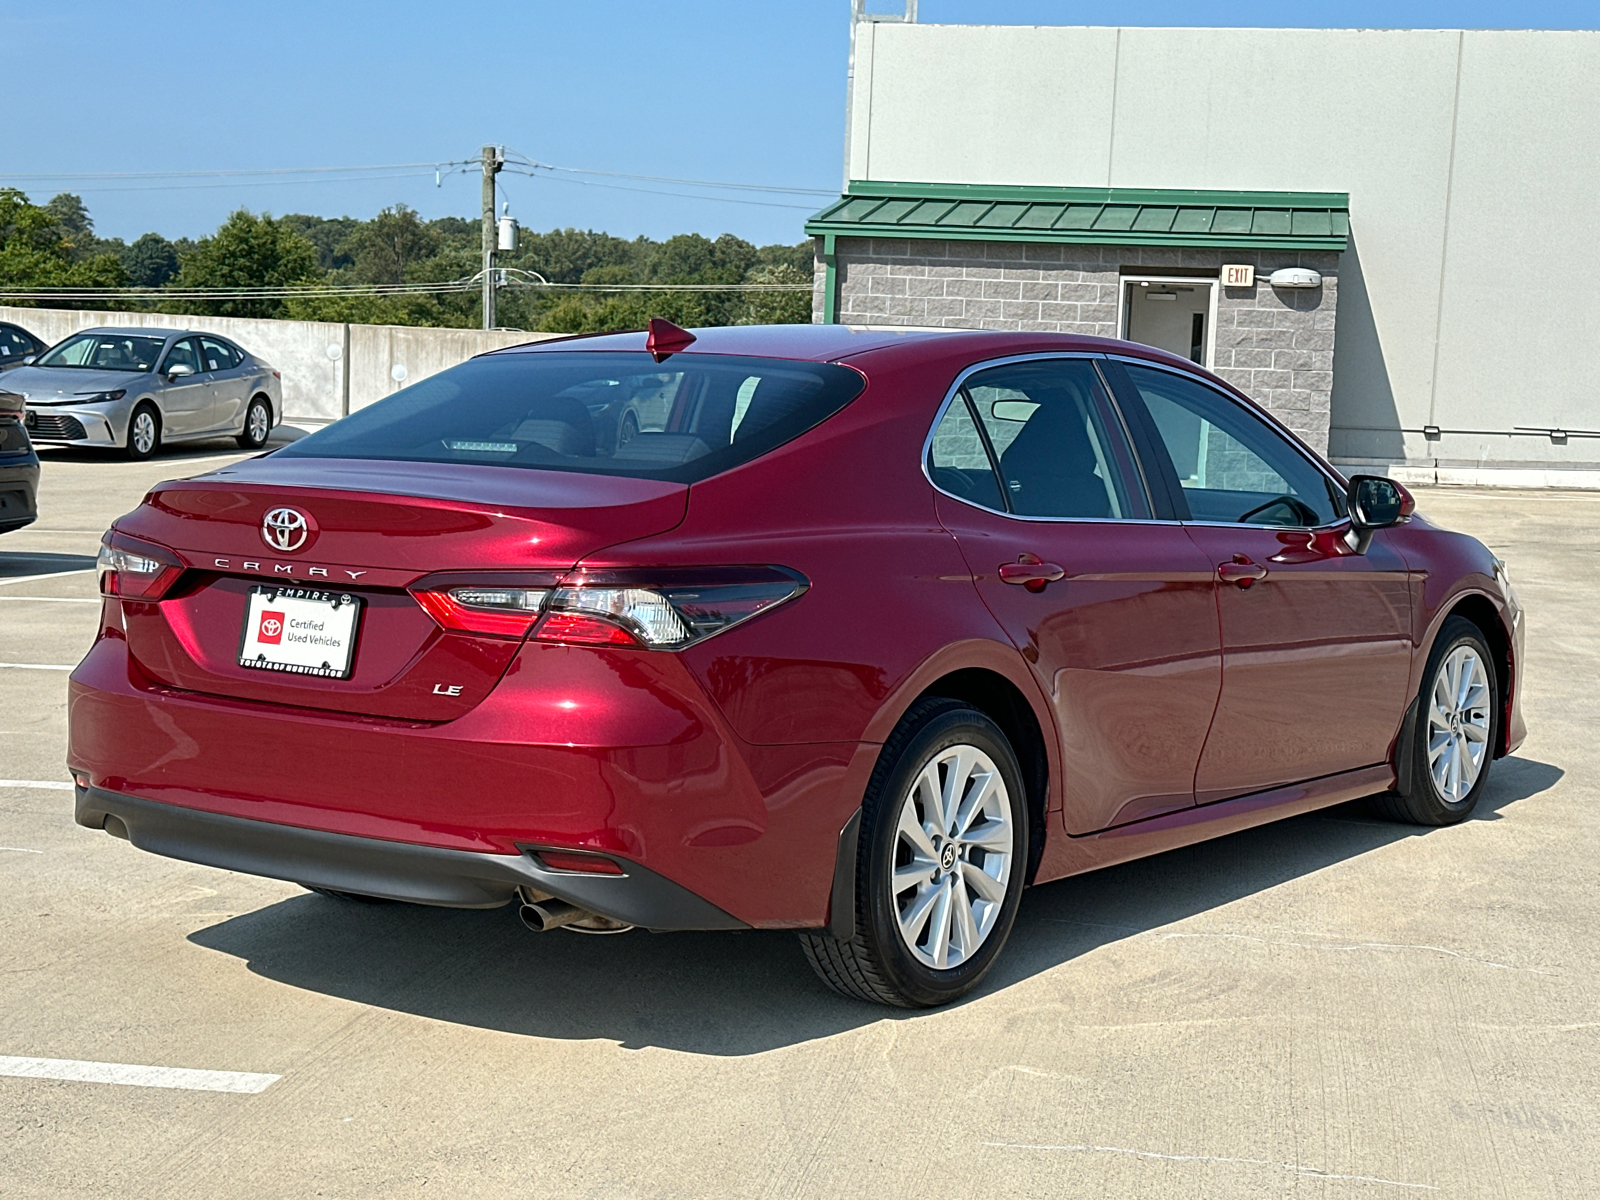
(1470, 158)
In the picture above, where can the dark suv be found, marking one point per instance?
(19, 467)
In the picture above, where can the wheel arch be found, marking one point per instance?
(265, 397)
(1483, 613)
(994, 680)
(1002, 702)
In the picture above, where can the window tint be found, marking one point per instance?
(182, 352)
(218, 356)
(604, 413)
(1035, 439)
(105, 352)
(1231, 465)
(13, 343)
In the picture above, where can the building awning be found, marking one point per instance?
(1089, 216)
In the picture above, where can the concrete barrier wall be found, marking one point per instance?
(328, 369)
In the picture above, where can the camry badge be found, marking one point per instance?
(285, 529)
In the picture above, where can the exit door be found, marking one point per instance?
(1175, 315)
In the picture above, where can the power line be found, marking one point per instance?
(662, 192)
(746, 187)
(231, 171)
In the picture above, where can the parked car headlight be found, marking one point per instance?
(101, 397)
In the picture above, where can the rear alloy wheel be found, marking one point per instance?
(144, 433)
(939, 864)
(257, 425)
(1456, 731)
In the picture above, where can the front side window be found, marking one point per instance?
(182, 353)
(1232, 467)
(686, 419)
(1036, 439)
(105, 352)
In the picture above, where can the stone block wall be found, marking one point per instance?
(1276, 346)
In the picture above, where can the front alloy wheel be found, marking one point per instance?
(939, 862)
(1456, 728)
(144, 433)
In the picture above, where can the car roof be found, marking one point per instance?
(819, 343)
(835, 343)
(140, 331)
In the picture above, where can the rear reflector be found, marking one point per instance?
(593, 864)
(135, 569)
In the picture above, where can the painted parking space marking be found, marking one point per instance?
(50, 575)
(54, 599)
(131, 1075)
(51, 785)
(36, 667)
(18, 850)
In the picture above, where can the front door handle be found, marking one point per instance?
(1241, 572)
(1031, 572)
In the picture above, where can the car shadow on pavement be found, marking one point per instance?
(13, 566)
(749, 992)
(210, 448)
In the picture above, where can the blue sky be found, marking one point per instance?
(729, 90)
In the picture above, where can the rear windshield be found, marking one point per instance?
(685, 419)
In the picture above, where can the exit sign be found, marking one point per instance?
(1239, 275)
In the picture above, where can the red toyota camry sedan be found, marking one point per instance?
(851, 632)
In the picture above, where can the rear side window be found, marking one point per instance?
(685, 419)
(1036, 439)
(219, 356)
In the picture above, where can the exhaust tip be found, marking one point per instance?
(550, 914)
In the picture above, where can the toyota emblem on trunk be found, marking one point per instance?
(285, 529)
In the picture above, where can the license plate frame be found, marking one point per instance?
(323, 624)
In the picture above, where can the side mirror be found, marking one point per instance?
(1375, 503)
(27, 359)
(179, 370)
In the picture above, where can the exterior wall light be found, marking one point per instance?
(1295, 277)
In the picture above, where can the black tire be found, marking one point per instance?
(876, 963)
(257, 424)
(347, 897)
(629, 430)
(135, 448)
(1423, 802)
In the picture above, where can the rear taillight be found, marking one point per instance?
(134, 569)
(658, 610)
(494, 611)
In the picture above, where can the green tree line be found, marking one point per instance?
(54, 245)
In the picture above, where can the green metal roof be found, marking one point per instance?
(1103, 216)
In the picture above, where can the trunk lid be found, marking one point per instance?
(372, 528)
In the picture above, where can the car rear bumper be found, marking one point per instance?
(646, 773)
(19, 491)
(392, 870)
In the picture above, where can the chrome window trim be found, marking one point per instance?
(1293, 442)
(954, 391)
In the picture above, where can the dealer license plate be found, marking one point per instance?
(300, 630)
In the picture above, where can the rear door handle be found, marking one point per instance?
(1031, 572)
(1241, 572)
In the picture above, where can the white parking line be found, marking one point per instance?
(20, 850)
(50, 575)
(53, 785)
(73, 1070)
(36, 667)
(56, 599)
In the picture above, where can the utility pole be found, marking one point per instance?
(493, 160)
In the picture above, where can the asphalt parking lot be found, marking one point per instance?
(1332, 1006)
